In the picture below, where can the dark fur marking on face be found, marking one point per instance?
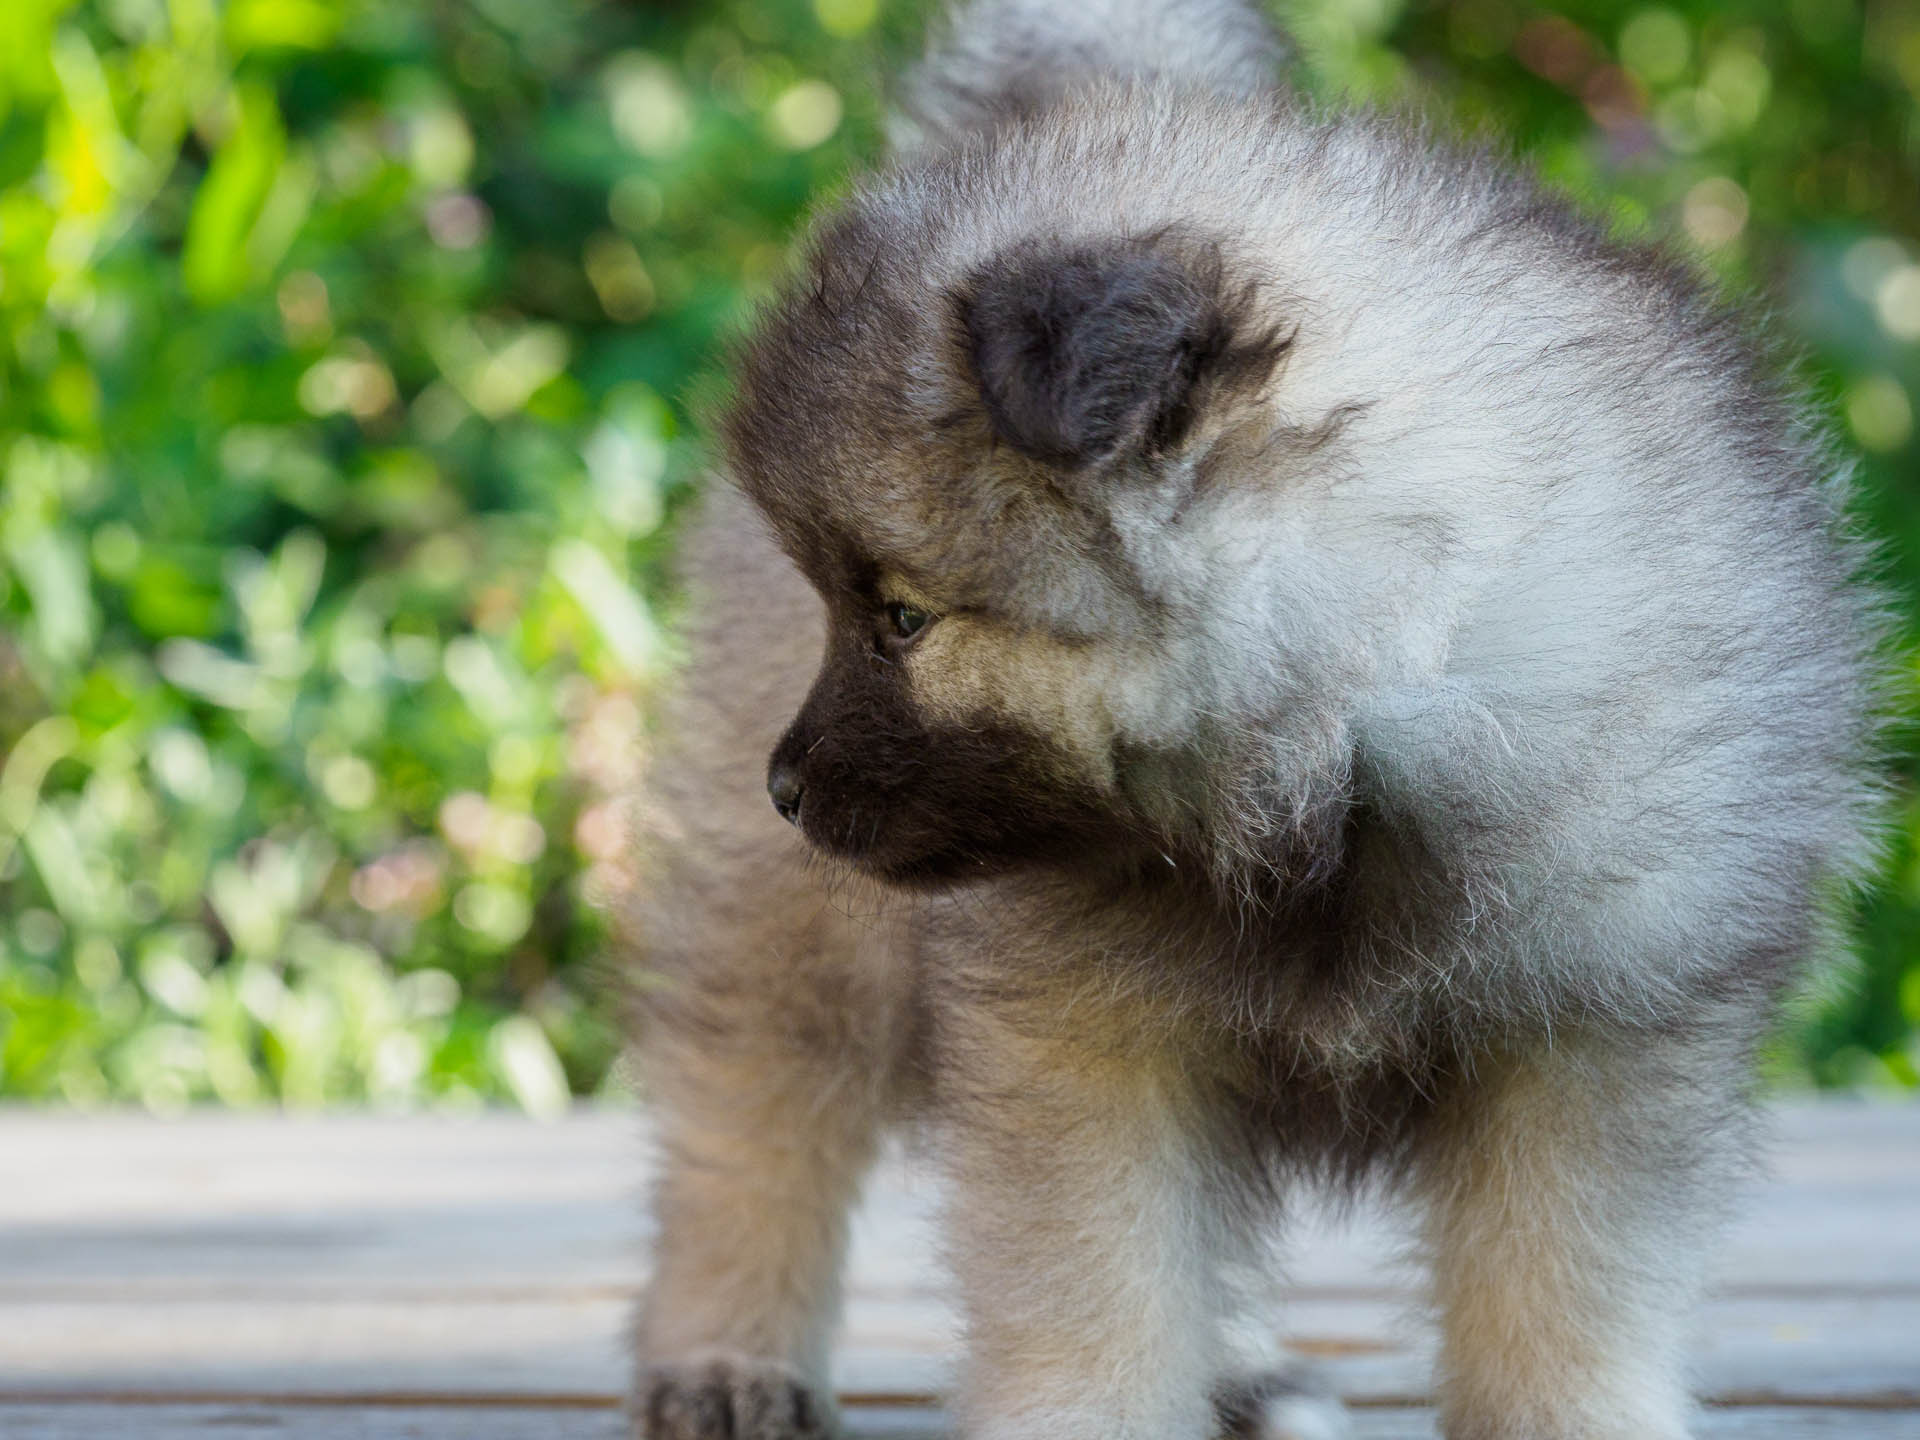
(867, 779)
(1083, 351)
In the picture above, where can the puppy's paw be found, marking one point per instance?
(1288, 1405)
(729, 1397)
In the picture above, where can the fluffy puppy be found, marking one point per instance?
(1290, 658)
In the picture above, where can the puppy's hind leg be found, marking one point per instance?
(1283, 1401)
(1269, 1391)
(1086, 1232)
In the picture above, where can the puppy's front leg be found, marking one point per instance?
(1572, 1195)
(1084, 1240)
(771, 1070)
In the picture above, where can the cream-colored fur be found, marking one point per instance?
(1570, 1204)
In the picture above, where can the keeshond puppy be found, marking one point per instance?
(1281, 656)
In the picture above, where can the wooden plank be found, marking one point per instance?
(365, 1205)
(1819, 1348)
(272, 1421)
(347, 1347)
(275, 1421)
(488, 1255)
(341, 1204)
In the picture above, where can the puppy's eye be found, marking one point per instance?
(905, 621)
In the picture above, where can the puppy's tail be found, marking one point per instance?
(993, 61)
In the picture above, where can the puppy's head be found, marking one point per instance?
(977, 450)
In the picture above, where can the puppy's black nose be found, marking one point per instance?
(783, 784)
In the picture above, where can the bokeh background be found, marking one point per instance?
(349, 351)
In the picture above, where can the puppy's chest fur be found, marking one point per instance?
(1301, 991)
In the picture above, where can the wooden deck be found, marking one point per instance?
(221, 1277)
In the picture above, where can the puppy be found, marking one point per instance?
(1290, 659)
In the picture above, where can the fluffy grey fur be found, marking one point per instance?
(1331, 670)
(996, 62)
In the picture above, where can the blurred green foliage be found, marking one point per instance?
(346, 349)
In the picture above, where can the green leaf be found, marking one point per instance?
(294, 24)
(215, 265)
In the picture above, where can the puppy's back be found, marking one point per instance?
(995, 61)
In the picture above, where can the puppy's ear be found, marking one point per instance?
(1087, 352)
